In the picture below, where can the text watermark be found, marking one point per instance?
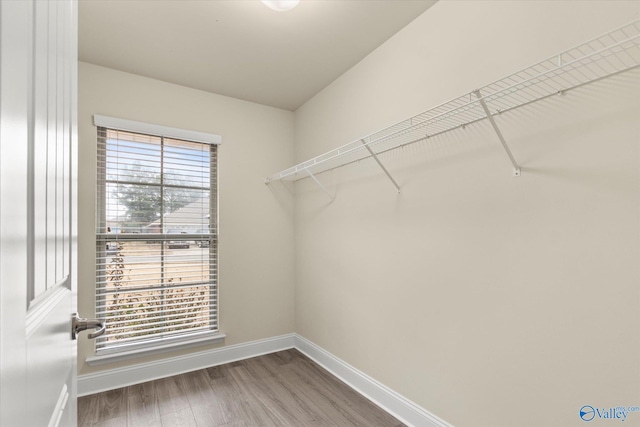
(619, 413)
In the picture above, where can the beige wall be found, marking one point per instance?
(488, 300)
(256, 222)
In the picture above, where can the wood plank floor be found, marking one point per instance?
(279, 389)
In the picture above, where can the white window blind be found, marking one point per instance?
(156, 240)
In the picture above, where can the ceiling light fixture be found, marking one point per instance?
(281, 5)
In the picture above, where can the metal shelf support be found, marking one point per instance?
(319, 184)
(375, 156)
(516, 167)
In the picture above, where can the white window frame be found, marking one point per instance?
(173, 343)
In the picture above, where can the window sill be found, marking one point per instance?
(102, 359)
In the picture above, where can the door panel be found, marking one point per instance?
(37, 202)
(49, 356)
(40, 131)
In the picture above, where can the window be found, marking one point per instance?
(156, 238)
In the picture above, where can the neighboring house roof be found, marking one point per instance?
(114, 220)
(194, 216)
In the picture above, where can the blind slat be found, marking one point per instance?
(111, 313)
(115, 324)
(159, 336)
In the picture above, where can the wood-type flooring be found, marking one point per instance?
(279, 389)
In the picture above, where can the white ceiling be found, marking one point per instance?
(240, 48)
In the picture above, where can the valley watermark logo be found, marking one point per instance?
(617, 413)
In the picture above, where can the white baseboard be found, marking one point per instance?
(403, 409)
(136, 374)
(398, 406)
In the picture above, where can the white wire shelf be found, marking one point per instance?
(612, 53)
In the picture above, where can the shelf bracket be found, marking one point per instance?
(516, 167)
(380, 164)
(319, 183)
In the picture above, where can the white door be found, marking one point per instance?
(38, 145)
